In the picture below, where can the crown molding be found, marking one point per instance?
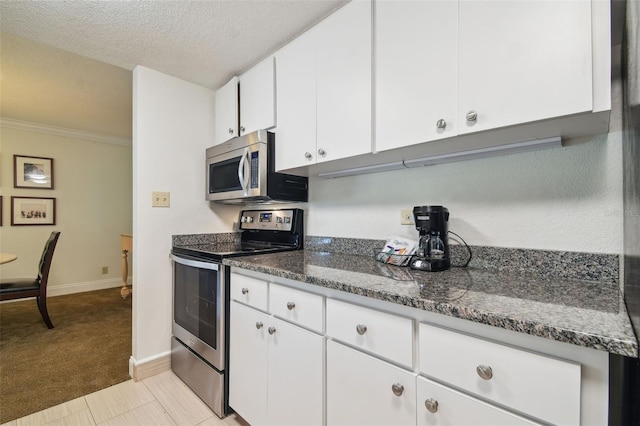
(61, 131)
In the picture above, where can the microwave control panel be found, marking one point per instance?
(276, 220)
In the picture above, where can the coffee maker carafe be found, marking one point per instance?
(433, 245)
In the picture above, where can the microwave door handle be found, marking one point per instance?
(247, 169)
(241, 167)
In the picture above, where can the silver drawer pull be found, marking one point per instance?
(259, 325)
(472, 116)
(271, 330)
(397, 389)
(361, 329)
(245, 290)
(290, 305)
(432, 405)
(441, 124)
(484, 371)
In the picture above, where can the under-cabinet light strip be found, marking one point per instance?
(533, 145)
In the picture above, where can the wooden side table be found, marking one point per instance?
(126, 245)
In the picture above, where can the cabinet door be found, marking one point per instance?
(522, 61)
(441, 406)
(226, 119)
(295, 375)
(344, 83)
(416, 72)
(258, 97)
(296, 103)
(360, 390)
(248, 363)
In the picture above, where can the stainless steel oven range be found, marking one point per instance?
(199, 349)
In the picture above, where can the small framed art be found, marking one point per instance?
(32, 172)
(33, 211)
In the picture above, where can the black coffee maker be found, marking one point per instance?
(433, 246)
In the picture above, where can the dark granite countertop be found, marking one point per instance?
(582, 312)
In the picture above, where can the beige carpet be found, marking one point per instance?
(88, 350)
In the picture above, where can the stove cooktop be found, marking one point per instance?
(218, 251)
(263, 231)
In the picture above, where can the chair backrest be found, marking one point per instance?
(47, 256)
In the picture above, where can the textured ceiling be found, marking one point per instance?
(70, 64)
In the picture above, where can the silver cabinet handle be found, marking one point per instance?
(441, 124)
(361, 329)
(241, 129)
(245, 290)
(290, 305)
(484, 371)
(397, 389)
(230, 131)
(259, 325)
(271, 330)
(472, 116)
(308, 155)
(432, 405)
(322, 152)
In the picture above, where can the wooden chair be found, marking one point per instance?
(20, 288)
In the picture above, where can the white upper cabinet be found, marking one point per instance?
(522, 61)
(246, 103)
(296, 102)
(416, 45)
(258, 97)
(226, 119)
(324, 90)
(344, 83)
(448, 68)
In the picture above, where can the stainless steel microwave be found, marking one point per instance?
(242, 170)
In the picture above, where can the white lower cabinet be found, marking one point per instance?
(275, 370)
(363, 390)
(442, 406)
(300, 357)
(543, 387)
(248, 363)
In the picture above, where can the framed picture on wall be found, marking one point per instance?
(33, 211)
(32, 172)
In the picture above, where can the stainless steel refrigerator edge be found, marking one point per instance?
(624, 408)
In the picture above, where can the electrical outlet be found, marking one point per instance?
(105, 270)
(406, 217)
(160, 199)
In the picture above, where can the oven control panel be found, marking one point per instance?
(271, 220)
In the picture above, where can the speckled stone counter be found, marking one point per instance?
(584, 312)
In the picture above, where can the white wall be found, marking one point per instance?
(172, 126)
(92, 188)
(567, 198)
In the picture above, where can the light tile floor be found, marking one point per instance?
(159, 400)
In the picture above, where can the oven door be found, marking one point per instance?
(199, 308)
(237, 174)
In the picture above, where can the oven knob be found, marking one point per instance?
(243, 219)
(287, 219)
(278, 219)
(249, 219)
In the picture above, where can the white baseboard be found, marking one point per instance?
(140, 370)
(60, 290)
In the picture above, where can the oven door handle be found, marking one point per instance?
(195, 263)
(243, 174)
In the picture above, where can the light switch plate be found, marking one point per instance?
(406, 217)
(160, 199)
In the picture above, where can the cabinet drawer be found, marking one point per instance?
(439, 405)
(544, 387)
(249, 290)
(383, 334)
(297, 306)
